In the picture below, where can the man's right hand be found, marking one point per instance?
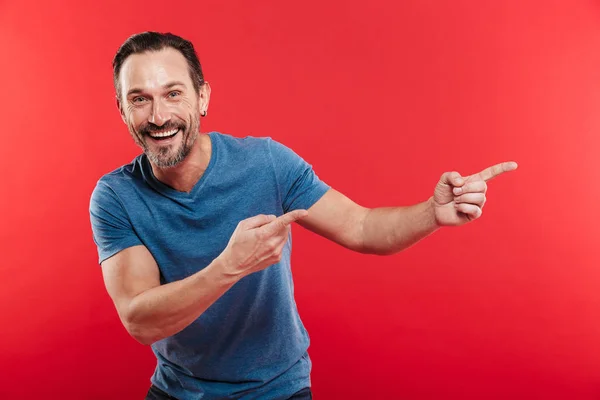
(257, 243)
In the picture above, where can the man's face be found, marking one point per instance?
(160, 106)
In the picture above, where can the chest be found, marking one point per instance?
(185, 235)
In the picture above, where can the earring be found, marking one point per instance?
(204, 113)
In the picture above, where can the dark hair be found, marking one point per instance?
(155, 41)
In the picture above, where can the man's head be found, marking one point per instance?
(161, 94)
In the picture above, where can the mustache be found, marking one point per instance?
(149, 127)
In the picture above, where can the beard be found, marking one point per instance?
(167, 156)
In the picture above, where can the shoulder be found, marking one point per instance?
(258, 151)
(114, 181)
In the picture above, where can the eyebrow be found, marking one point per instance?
(167, 86)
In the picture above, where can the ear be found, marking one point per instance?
(204, 98)
(120, 107)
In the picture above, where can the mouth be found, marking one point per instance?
(164, 135)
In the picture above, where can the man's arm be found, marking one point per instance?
(456, 201)
(388, 230)
(151, 311)
(382, 231)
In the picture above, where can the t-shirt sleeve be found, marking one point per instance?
(299, 185)
(111, 227)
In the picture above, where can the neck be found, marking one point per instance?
(187, 173)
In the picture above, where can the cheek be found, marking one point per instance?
(135, 118)
(188, 106)
(186, 113)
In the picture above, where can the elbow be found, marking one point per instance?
(357, 240)
(146, 340)
(368, 241)
(139, 333)
(375, 251)
(142, 333)
(360, 241)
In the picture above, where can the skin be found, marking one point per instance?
(157, 94)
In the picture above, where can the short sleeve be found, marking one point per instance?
(111, 227)
(299, 185)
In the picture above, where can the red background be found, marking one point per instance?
(381, 97)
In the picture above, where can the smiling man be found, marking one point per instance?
(194, 234)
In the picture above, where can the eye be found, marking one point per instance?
(139, 99)
(174, 94)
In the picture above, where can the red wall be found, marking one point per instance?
(381, 97)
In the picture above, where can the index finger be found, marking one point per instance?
(285, 220)
(498, 169)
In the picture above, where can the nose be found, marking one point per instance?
(160, 114)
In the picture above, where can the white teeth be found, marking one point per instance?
(164, 134)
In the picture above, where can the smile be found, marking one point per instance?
(163, 134)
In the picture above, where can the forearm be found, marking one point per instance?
(388, 230)
(167, 309)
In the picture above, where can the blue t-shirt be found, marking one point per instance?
(251, 343)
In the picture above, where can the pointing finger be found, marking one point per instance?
(498, 169)
(284, 220)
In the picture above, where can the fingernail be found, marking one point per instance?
(457, 190)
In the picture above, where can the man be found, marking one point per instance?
(194, 234)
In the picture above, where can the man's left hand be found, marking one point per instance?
(458, 200)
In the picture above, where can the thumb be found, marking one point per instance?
(256, 221)
(452, 179)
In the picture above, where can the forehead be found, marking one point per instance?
(152, 70)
